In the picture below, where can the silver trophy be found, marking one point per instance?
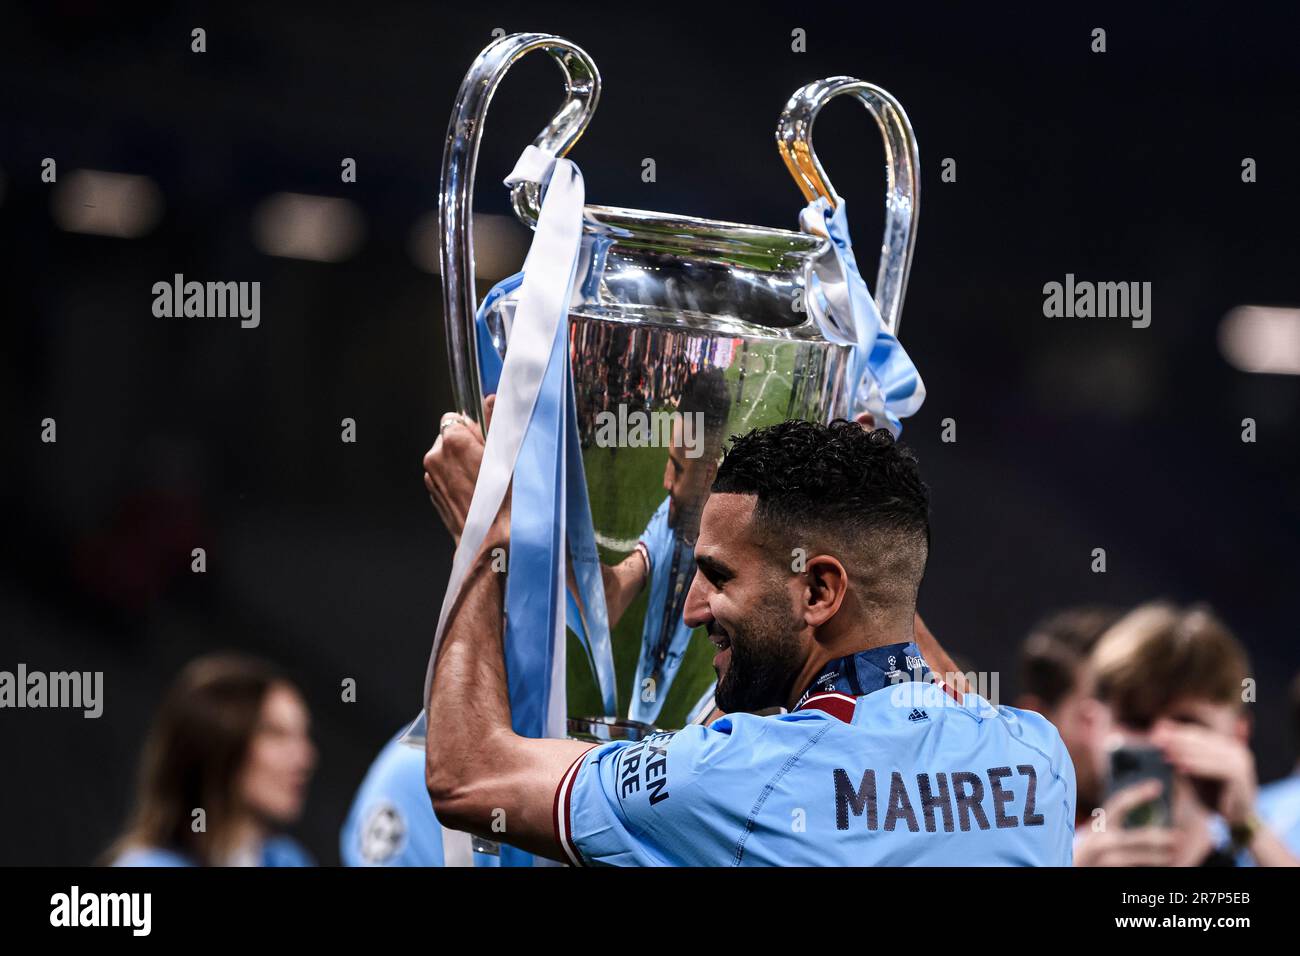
(692, 330)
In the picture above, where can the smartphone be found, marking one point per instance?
(1137, 763)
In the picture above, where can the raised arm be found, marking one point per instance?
(479, 772)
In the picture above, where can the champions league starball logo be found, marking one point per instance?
(384, 834)
(893, 674)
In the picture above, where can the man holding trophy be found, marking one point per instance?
(798, 552)
(838, 748)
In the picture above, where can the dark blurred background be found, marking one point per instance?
(326, 557)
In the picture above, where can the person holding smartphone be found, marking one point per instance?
(1183, 785)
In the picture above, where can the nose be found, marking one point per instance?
(696, 611)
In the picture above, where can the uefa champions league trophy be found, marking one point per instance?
(680, 332)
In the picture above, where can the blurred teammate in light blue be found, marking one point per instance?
(225, 769)
(391, 822)
(838, 748)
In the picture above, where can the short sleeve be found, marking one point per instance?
(657, 538)
(644, 803)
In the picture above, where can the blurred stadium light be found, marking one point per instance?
(1255, 338)
(106, 204)
(500, 244)
(316, 228)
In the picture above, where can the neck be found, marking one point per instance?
(827, 647)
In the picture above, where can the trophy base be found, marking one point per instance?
(596, 729)
(605, 729)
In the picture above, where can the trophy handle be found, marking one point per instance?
(456, 197)
(902, 169)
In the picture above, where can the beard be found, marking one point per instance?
(765, 658)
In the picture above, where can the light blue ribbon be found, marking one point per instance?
(589, 620)
(881, 379)
(536, 558)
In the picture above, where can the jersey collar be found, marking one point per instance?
(844, 680)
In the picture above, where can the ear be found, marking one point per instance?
(826, 582)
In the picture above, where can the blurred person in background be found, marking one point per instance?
(226, 765)
(1173, 680)
(1055, 682)
(1279, 801)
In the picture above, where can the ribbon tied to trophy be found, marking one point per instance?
(882, 379)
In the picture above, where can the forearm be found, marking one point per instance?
(469, 704)
(1268, 850)
(482, 777)
(622, 583)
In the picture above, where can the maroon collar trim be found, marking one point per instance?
(840, 706)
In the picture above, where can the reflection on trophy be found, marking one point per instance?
(680, 332)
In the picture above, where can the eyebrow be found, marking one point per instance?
(713, 566)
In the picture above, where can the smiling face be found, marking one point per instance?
(749, 605)
(812, 546)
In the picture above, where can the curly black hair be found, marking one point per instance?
(836, 483)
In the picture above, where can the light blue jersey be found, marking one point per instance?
(879, 765)
(1279, 806)
(664, 635)
(391, 822)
